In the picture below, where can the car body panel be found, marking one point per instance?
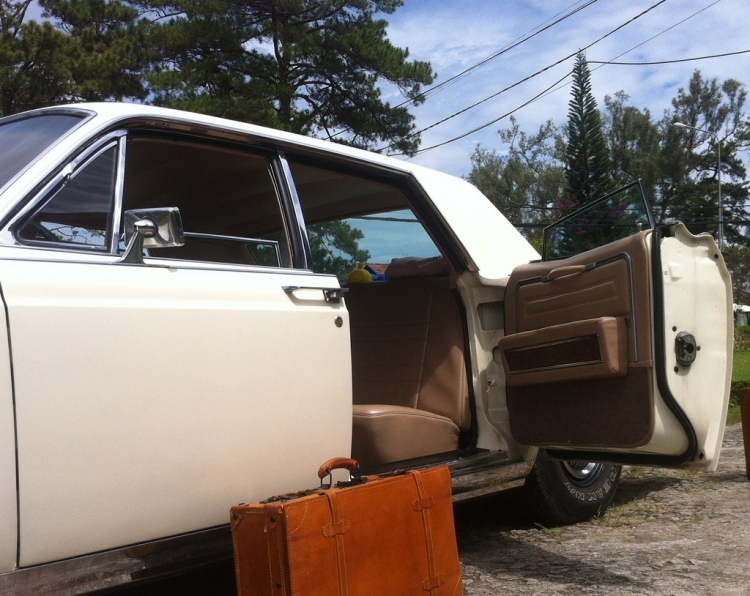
(698, 299)
(184, 404)
(8, 496)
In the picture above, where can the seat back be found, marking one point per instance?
(408, 347)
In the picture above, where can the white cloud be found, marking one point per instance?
(455, 35)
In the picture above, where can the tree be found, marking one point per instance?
(307, 66)
(32, 58)
(525, 183)
(335, 247)
(586, 155)
(87, 50)
(633, 140)
(688, 189)
(738, 261)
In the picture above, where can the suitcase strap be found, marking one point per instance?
(423, 505)
(274, 543)
(336, 530)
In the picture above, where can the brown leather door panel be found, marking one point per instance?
(598, 397)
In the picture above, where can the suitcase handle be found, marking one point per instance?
(336, 463)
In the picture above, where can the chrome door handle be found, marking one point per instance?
(332, 295)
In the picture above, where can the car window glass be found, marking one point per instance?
(80, 212)
(226, 196)
(23, 141)
(351, 219)
(618, 215)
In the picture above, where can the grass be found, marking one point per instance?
(741, 369)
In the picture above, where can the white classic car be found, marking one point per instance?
(174, 342)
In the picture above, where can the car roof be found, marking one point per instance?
(492, 244)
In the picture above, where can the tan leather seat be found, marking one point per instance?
(409, 375)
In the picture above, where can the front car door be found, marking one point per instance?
(150, 398)
(621, 352)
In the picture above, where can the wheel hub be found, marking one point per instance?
(582, 473)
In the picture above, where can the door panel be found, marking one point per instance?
(614, 284)
(569, 392)
(150, 399)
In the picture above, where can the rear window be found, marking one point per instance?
(22, 141)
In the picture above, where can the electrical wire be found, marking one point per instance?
(525, 79)
(670, 61)
(644, 42)
(512, 45)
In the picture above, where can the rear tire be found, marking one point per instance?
(567, 492)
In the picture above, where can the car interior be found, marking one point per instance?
(411, 394)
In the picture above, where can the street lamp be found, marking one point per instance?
(718, 176)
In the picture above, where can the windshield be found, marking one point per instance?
(618, 215)
(23, 140)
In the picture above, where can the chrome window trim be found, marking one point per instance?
(289, 191)
(119, 190)
(274, 243)
(106, 259)
(66, 170)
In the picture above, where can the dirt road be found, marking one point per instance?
(667, 533)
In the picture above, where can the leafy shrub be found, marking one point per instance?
(742, 338)
(734, 392)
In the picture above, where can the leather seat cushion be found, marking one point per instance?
(385, 433)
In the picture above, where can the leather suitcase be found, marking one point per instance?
(389, 535)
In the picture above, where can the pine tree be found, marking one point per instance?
(84, 50)
(308, 66)
(586, 156)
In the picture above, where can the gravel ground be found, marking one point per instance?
(668, 533)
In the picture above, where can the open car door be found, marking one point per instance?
(623, 352)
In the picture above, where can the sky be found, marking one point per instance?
(454, 35)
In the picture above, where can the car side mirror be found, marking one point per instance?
(151, 228)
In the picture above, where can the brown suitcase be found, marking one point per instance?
(390, 535)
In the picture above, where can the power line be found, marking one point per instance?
(644, 42)
(514, 44)
(670, 61)
(529, 77)
(486, 124)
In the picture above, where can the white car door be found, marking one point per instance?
(621, 353)
(150, 398)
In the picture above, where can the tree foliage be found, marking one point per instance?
(737, 258)
(86, 50)
(678, 167)
(587, 168)
(308, 66)
(314, 67)
(335, 247)
(526, 183)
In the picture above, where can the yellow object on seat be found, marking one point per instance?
(359, 275)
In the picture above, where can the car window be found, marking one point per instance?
(80, 212)
(618, 215)
(230, 209)
(351, 219)
(22, 141)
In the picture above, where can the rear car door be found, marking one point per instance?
(151, 397)
(623, 352)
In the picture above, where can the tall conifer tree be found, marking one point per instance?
(587, 168)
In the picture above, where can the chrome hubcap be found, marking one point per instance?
(580, 472)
